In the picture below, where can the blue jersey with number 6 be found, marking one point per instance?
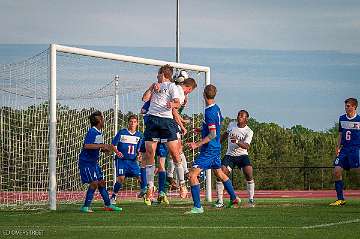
(128, 143)
(350, 130)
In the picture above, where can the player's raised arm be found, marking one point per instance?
(147, 94)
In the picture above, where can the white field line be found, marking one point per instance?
(331, 224)
(89, 227)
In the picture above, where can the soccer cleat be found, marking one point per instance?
(251, 202)
(235, 203)
(147, 201)
(183, 191)
(112, 208)
(218, 204)
(195, 210)
(338, 203)
(86, 209)
(162, 198)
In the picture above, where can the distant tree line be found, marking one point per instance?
(283, 158)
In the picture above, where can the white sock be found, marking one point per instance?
(184, 163)
(150, 175)
(250, 187)
(170, 169)
(220, 191)
(180, 172)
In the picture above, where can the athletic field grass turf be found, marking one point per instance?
(271, 218)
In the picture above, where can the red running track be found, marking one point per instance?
(13, 197)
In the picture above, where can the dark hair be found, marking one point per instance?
(95, 118)
(245, 112)
(132, 117)
(352, 101)
(190, 82)
(210, 91)
(167, 70)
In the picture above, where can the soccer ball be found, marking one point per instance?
(181, 76)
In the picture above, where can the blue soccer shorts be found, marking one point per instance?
(208, 160)
(127, 168)
(160, 129)
(161, 149)
(236, 161)
(91, 173)
(349, 157)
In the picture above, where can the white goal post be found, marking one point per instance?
(54, 49)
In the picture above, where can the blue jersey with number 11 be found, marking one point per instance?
(350, 130)
(127, 143)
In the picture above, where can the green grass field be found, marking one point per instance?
(271, 218)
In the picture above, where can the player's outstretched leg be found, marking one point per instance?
(339, 187)
(220, 194)
(105, 196)
(143, 182)
(250, 184)
(162, 198)
(234, 200)
(195, 191)
(170, 175)
(89, 197)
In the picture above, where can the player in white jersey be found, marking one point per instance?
(239, 137)
(185, 85)
(161, 127)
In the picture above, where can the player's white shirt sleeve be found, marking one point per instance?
(249, 136)
(174, 91)
(181, 94)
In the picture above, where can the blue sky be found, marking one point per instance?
(255, 24)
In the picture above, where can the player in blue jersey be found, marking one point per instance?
(90, 170)
(126, 145)
(348, 147)
(210, 152)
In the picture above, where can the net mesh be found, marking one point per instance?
(84, 84)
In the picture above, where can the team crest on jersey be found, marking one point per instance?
(129, 139)
(350, 125)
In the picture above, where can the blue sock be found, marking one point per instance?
(143, 180)
(105, 195)
(339, 185)
(117, 187)
(162, 178)
(230, 189)
(89, 196)
(195, 193)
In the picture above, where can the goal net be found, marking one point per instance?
(45, 104)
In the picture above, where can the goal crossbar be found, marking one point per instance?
(54, 48)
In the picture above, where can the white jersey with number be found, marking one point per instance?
(244, 134)
(168, 91)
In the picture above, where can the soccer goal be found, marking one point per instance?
(45, 102)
